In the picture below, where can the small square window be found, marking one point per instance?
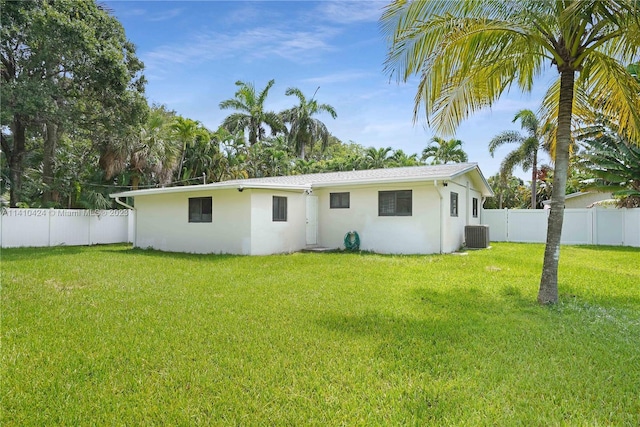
(395, 203)
(279, 208)
(200, 209)
(475, 207)
(454, 204)
(338, 200)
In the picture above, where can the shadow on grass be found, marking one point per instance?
(158, 254)
(443, 323)
(31, 253)
(601, 248)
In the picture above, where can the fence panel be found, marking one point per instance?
(496, 219)
(52, 227)
(577, 227)
(598, 226)
(609, 227)
(527, 225)
(632, 227)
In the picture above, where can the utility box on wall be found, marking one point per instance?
(476, 236)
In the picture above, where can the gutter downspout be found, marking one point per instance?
(435, 184)
(135, 219)
(120, 202)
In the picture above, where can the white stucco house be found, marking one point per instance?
(408, 210)
(582, 199)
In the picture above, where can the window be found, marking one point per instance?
(394, 203)
(279, 208)
(454, 204)
(338, 200)
(475, 207)
(200, 209)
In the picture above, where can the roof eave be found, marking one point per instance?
(210, 187)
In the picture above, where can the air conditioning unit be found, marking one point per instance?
(476, 236)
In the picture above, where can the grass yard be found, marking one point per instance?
(109, 335)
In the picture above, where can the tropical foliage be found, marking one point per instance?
(466, 54)
(442, 151)
(250, 114)
(304, 129)
(526, 154)
(615, 163)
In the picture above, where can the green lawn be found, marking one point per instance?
(107, 335)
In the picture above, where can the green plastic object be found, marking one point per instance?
(352, 241)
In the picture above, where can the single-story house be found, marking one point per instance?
(408, 210)
(582, 199)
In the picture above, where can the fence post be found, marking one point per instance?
(49, 215)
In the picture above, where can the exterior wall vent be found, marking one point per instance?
(476, 236)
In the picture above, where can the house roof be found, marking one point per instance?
(334, 179)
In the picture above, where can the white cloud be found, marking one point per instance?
(347, 12)
(249, 45)
(345, 76)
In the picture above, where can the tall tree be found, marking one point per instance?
(526, 154)
(65, 63)
(442, 151)
(186, 131)
(400, 159)
(306, 129)
(250, 115)
(377, 158)
(467, 53)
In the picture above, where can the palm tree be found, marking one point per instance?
(186, 131)
(526, 155)
(305, 129)
(250, 115)
(154, 154)
(467, 53)
(377, 158)
(400, 159)
(443, 152)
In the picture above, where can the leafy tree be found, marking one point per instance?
(65, 64)
(616, 166)
(305, 129)
(251, 115)
(526, 154)
(442, 152)
(509, 193)
(467, 53)
(187, 132)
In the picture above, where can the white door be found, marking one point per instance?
(312, 220)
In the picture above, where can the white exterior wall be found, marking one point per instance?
(268, 236)
(418, 233)
(162, 222)
(454, 226)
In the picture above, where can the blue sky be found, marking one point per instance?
(194, 52)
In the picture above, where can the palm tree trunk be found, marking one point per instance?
(548, 292)
(534, 177)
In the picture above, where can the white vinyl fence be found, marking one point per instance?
(53, 227)
(595, 226)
